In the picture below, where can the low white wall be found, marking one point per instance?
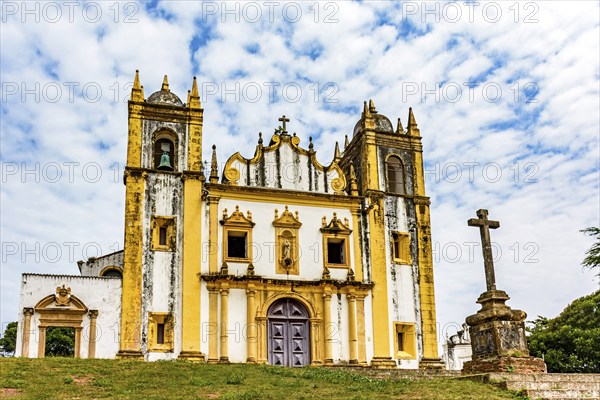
(102, 294)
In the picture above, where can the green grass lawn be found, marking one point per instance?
(67, 378)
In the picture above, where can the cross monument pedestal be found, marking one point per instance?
(497, 331)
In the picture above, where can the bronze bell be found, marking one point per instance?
(165, 162)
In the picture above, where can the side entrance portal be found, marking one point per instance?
(288, 341)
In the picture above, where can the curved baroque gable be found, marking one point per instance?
(285, 165)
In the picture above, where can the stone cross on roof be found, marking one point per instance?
(284, 120)
(485, 225)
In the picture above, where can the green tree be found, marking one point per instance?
(571, 341)
(60, 342)
(8, 341)
(592, 256)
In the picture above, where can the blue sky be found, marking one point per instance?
(506, 96)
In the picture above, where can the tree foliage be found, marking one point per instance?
(60, 342)
(571, 341)
(592, 256)
(8, 341)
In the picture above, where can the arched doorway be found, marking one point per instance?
(288, 334)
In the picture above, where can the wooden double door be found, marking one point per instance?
(288, 334)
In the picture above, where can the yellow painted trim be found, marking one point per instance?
(251, 340)
(131, 298)
(360, 328)
(156, 224)
(279, 196)
(213, 324)
(224, 354)
(27, 312)
(409, 341)
(352, 329)
(213, 231)
(192, 259)
(155, 318)
(358, 262)
(235, 224)
(400, 243)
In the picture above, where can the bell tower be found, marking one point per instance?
(163, 178)
(395, 229)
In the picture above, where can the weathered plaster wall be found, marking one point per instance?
(94, 266)
(102, 294)
(161, 270)
(150, 128)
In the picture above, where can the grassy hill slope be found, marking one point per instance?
(67, 378)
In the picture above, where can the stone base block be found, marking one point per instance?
(431, 363)
(518, 365)
(383, 362)
(194, 356)
(130, 355)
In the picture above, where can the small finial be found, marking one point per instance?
(399, 128)
(350, 276)
(189, 97)
(310, 143)
(346, 142)
(194, 88)
(337, 155)
(412, 124)
(260, 139)
(366, 113)
(194, 96)
(214, 166)
(136, 80)
(276, 214)
(137, 91)
(372, 107)
(165, 85)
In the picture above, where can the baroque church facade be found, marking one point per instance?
(276, 259)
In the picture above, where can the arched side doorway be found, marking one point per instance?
(288, 334)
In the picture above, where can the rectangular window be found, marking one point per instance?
(160, 333)
(237, 244)
(335, 251)
(406, 341)
(162, 236)
(400, 341)
(401, 247)
(163, 233)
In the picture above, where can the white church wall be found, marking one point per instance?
(263, 234)
(403, 303)
(369, 327)
(204, 310)
(236, 326)
(340, 336)
(102, 294)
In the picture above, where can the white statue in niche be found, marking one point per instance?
(286, 258)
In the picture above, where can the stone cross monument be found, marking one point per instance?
(497, 331)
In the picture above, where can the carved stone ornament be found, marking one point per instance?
(63, 296)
